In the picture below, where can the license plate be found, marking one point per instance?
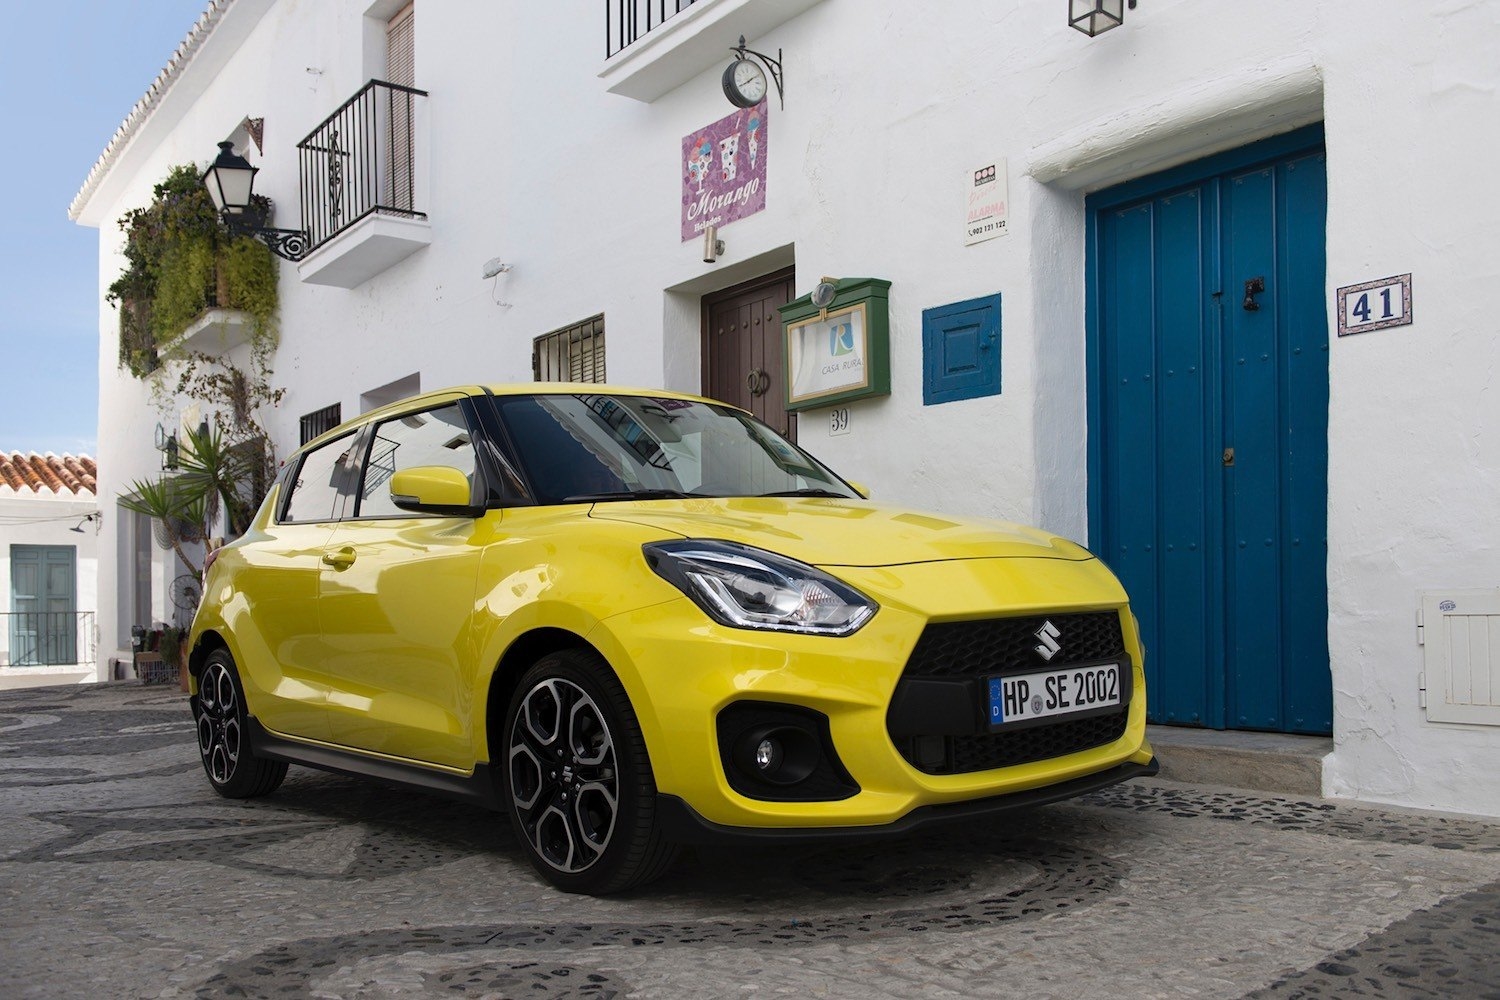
(1024, 697)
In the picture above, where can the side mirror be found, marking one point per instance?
(860, 488)
(434, 489)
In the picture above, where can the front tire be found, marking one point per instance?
(232, 767)
(578, 781)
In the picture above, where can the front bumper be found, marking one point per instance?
(681, 670)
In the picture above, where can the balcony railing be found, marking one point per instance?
(628, 21)
(47, 638)
(359, 162)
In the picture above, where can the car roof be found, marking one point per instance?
(435, 396)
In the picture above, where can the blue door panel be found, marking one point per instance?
(1208, 432)
(1183, 235)
(1308, 691)
(1252, 482)
(1129, 414)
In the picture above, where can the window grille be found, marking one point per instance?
(572, 354)
(321, 421)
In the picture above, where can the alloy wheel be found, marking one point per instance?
(218, 723)
(564, 782)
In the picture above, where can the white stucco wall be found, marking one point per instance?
(888, 106)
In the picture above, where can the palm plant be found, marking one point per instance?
(215, 475)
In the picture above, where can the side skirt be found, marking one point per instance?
(478, 788)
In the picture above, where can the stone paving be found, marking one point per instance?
(123, 874)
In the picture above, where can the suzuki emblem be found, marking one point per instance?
(1048, 634)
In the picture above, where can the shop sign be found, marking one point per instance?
(724, 171)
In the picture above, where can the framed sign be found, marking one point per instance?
(840, 352)
(1375, 305)
(828, 355)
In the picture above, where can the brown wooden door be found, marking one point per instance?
(743, 361)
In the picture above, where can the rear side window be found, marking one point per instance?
(432, 437)
(314, 490)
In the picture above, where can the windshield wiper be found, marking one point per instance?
(809, 492)
(628, 495)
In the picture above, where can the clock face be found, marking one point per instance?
(745, 83)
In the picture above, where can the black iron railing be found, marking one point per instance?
(47, 638)
(627, 21)
(359, 162)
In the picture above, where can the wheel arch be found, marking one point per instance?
(208, 641)
(526, 650)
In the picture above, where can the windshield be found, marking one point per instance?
(588, 447)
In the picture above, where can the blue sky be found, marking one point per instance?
(72, 69)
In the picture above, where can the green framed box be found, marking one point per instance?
(841, 352)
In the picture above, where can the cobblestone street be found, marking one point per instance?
(125, 875)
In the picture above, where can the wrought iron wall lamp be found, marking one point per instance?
(1095, 17)
(745, 81)
(230, 181)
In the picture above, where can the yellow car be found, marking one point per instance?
(634, 619)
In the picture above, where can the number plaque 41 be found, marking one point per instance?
(1375, 305)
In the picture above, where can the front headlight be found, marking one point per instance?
(747, 587)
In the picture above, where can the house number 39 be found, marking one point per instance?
(838, 421)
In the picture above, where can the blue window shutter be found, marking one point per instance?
(961, 350)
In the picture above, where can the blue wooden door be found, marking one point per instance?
(43, 590)
(1208, 355)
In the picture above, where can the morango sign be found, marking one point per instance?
(724, 171)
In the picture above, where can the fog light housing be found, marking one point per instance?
(781, 753)
(768, 756)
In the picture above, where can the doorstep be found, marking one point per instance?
(1265, 762)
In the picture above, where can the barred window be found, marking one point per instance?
(320, 421)
(572, 354)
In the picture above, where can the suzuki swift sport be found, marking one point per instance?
(637, 619)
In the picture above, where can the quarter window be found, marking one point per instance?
(315, 489)
(432, 437)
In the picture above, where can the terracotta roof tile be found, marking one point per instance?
(54, 473)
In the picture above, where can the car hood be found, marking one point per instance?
(833, 532)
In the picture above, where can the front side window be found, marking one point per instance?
(432, 437)
(587, 447)
(313, 492)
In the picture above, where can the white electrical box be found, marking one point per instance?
(1460, 635)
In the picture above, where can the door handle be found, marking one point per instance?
(340, 559)
(758, 381)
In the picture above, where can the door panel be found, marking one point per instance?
(396, 611)
(1209, 433)
(743, 357)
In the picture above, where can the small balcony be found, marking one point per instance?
(628, 21)
(357, 174)
(652, 47)
(47, 639)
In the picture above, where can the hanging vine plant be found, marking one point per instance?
(180, 261)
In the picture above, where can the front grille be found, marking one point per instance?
(1007, 645)
(969, 651)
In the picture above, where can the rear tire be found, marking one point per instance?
(219, 709)
(577, 779)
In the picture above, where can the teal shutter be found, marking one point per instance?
(961, 350)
